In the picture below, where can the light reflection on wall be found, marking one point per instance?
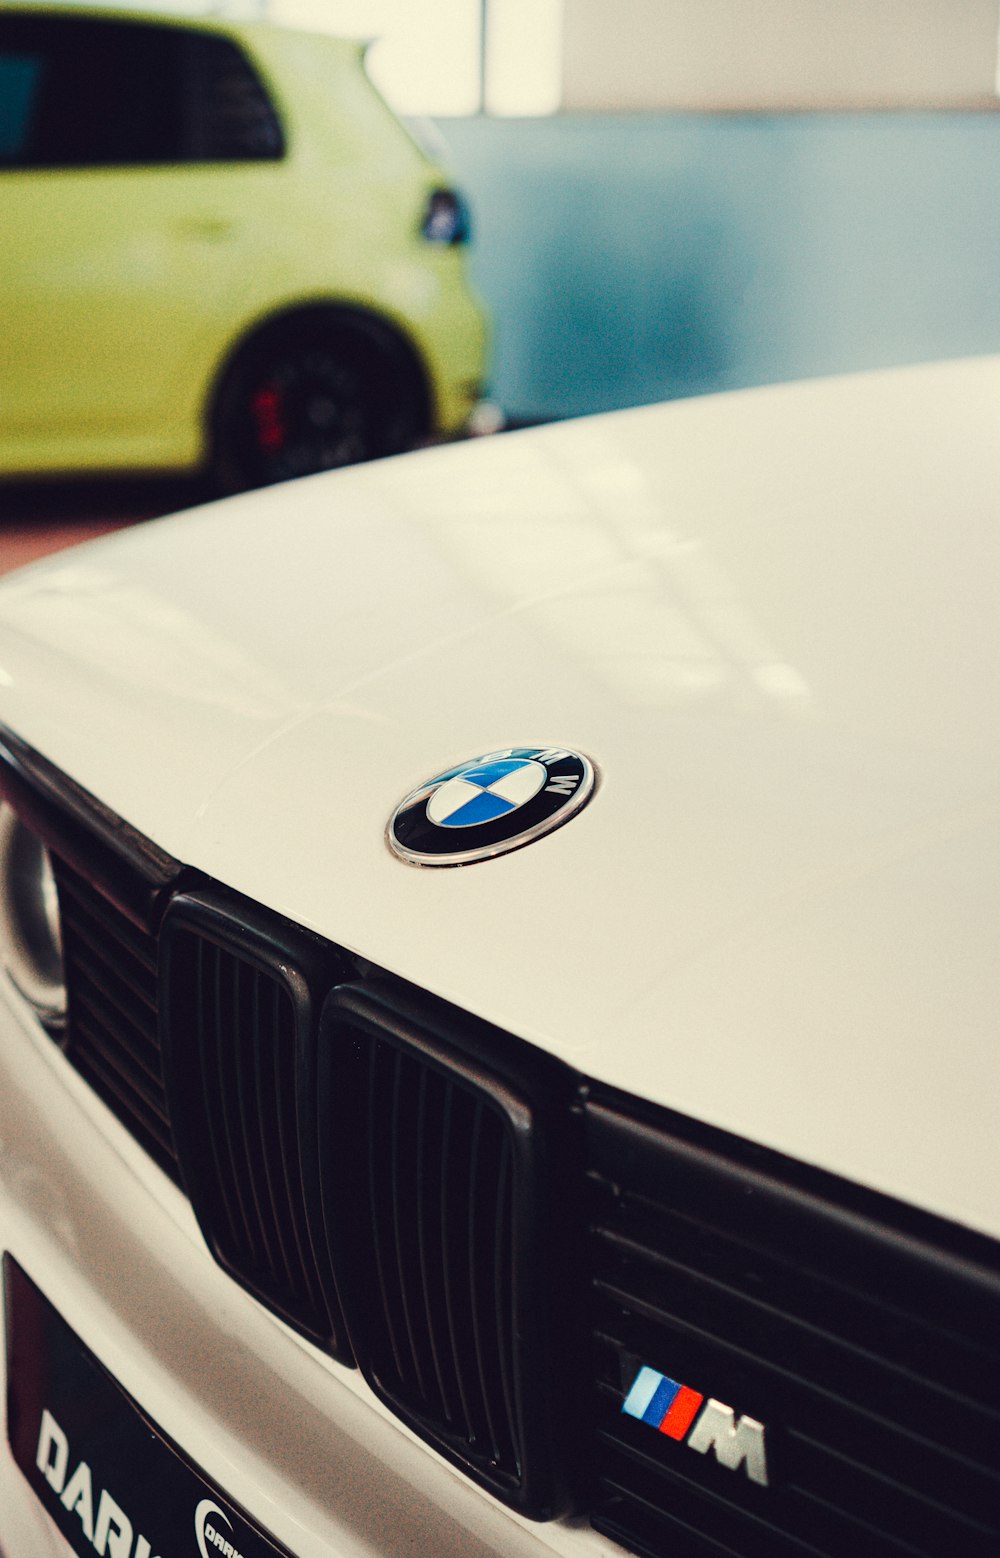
(426, 53)
(430, 56)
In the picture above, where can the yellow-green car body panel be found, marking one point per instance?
(127, 290)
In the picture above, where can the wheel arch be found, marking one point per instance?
(382, 339)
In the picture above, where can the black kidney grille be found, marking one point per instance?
(233, 1038)
(112, 1037)
(433, 1188)
(876, 1374)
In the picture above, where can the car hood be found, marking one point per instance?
(768, 618)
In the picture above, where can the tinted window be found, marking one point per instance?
(19, 79)
(230, 116)
(92, 93)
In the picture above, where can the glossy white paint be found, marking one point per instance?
(767, 617)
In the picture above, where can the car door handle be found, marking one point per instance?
(210, 229)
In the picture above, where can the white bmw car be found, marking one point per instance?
(499, 1010)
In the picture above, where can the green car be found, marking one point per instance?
(220, 250)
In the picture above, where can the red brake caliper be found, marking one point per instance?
(266, 408)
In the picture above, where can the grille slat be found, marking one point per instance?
(233, 1031)
(973, 1492)
(854, 1534)
(258, 1123)
(428, 1251)
(278, 1116)
(849, 1485)
(219, 1090)
(406, 1271)
(144, 1119)
(791, 1330)
(662, 1497)
(98, 922)
(201, 978)
(268, 1104)
(274, 1038)
(825, 1397)
(290, 1207)
(380, 1207)
(488, 1279)
(848, 1482)
(93, 1036)
(450, 1265)
(112, 1033)
(136, 1050)
(503, 1317)
(471, 1255)
(478, 1260)
(424, 1163)
(703, 1514)
(264, 1238)
(800, 1303)
(130, 984)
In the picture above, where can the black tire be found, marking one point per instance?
(310, 394)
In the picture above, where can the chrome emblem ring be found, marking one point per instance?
(490, 805)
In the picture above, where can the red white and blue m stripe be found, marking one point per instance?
(662, 1403)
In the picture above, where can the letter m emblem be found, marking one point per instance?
(736, 1441)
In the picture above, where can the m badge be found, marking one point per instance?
(672, 1408)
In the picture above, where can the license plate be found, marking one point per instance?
(111, 1481)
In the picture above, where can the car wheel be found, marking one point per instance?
(307, 398)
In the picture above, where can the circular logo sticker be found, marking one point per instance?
(490, 805)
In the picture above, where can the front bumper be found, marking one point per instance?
(290, 1436)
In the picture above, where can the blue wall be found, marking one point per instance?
(627, 259)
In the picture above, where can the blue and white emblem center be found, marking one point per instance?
(482, 794)
(489, 805)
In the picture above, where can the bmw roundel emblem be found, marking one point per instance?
(489, 805)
